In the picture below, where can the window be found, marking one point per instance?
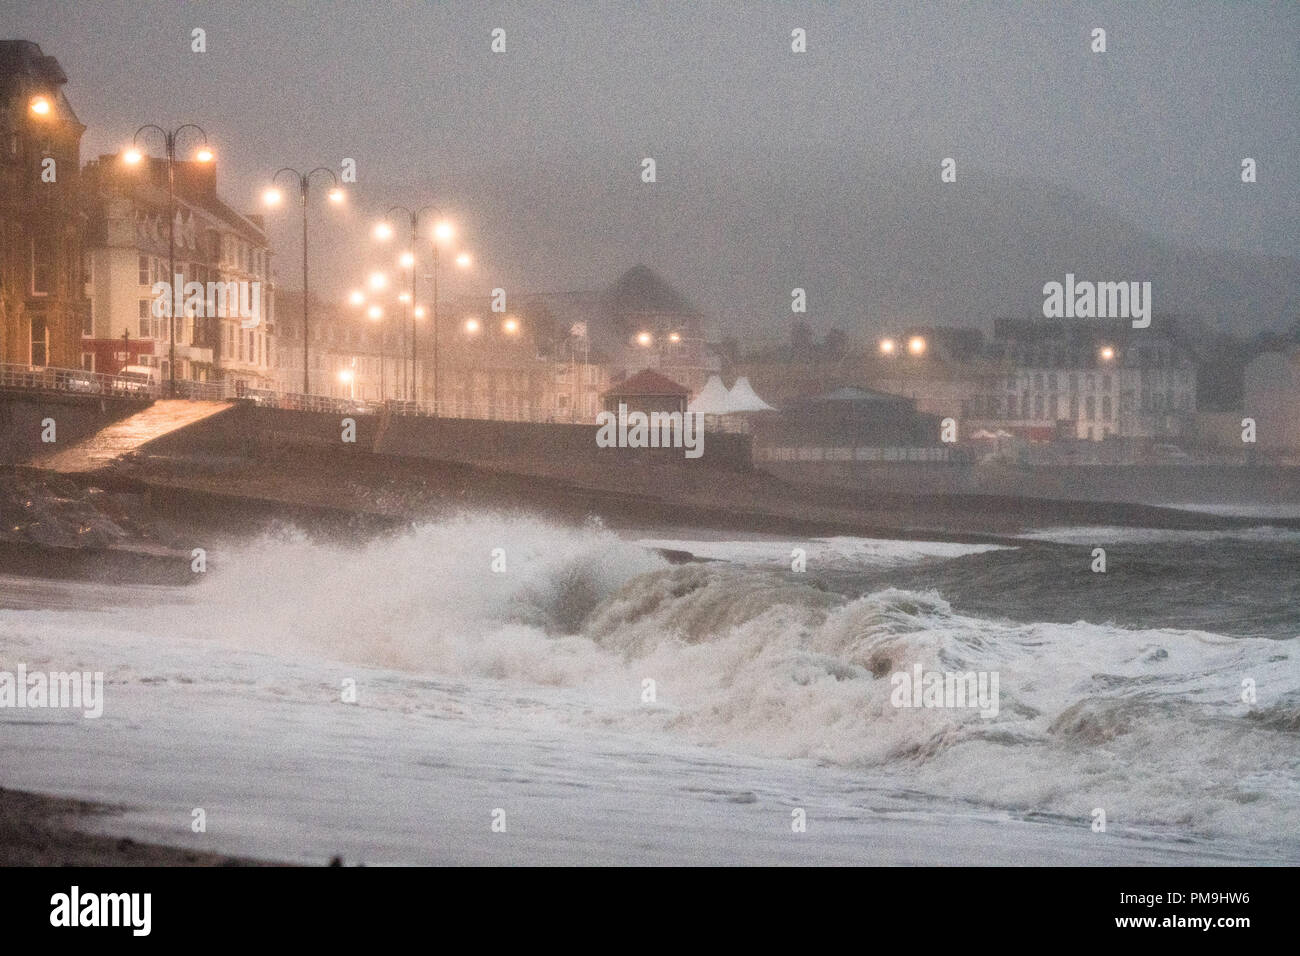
(42, 266)
(88, 320)
(1038, 406)
(40, 342)
(142, 268)
(1106, 408)
(1090, 404)
(1105, 382)
(146, 320)
(88, 361)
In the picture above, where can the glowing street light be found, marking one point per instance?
(375, 312)
(303, 181)
(443, 231)
(407, 260)
(41, 106)
(888, 346)
(383, 232)
(419, 311)
(472, 326)
(463, 260)
(133, 156)
(336, 195)
(644, 339)
(273, 197)
(1107, 353)
(357, 298)
(511, 326)
(404, 297)
(378, 280)
(916, 345)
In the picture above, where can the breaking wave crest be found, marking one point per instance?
(1148, 724)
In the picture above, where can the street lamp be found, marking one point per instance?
(273, 198)
(888, 346)
(133, 156)
(40, 106)
(916, 345)
(443, 231)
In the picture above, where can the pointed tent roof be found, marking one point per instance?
(743, 398)
(713, 398)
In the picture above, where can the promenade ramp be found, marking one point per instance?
(128, 435)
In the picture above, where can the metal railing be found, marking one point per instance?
(82, 382)
(75, 381)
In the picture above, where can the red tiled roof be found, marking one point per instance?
(648, 382)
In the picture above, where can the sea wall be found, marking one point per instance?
(76, 417)
(249, 430)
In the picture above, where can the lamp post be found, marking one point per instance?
(273, 198)
(385, 231)
(442, 232)
(204, 155)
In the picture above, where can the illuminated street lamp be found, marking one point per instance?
(133, 156)
(916, 345)
(471, 326)
(510, 326)
(273, 197)
(888, 346)
(41, 106)
(644, 339)
(357, 297)
(1107, 353)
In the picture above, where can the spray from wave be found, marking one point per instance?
(1147, 724)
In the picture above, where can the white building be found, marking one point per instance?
(127, 252)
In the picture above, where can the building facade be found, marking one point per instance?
(42, 308)
(128, 252)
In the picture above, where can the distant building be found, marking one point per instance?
(127, 252)
(1272, 399)
(1090, 380)
(644, 323)
(850, 417)
(1047, 379)
(42, 308)
(347, 358)
(647, 391)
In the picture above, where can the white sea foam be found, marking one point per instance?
(1104, 534)
(1148, 725)
(839, 553)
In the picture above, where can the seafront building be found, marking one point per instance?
(127, 252)
(42, 310)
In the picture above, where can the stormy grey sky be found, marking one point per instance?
(537, 151)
